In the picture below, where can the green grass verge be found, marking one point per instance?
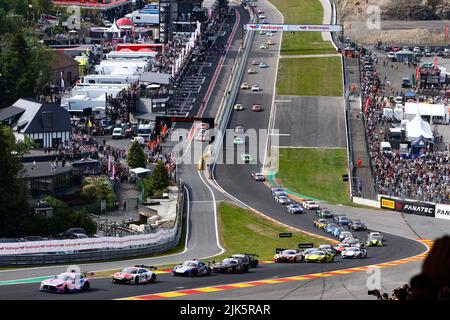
(302, 12)
(310, 77)
(315, 172)
(243, 231)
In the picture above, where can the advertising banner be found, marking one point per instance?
(294, 27)
(442, 211)
(409, 207)
(65, 246)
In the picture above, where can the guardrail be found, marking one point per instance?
(162, 245)
(226, 104)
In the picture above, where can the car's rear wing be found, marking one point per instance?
(147, 267)
(279, 250)
(252, 255)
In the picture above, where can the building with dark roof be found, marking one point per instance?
(66, 68)
(46, 124)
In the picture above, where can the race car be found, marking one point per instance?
(245, 86)
(246, 157)
(324, 213)
(281, 199)
(192, 268)
(341, 247)
(256, 88)
(258, 176)
(263, 46)
(260, 11)
(261, 16)
(230, 265)
(357, 225)
(67, 282)
(238, 107)
(239, 129)
(256, 108)
(248, 258)
(353, 252)
(270, 42)
(319, 256)
(327, 247)
(269, 33)
(263, 65)
(255, 63)
(337, 231)
(251, 70)
(290, 256)
(135, 275)
(330, 227)
(344, 234)
(310, 205)
(238, 140)
(274, 190)
(294, 208)
(320, 223)
(343, 221)
(374, 239)
(352, 242)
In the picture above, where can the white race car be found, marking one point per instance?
(67, 282)
(192, 268)
(310, 205)
(135, 275)
(354, 252)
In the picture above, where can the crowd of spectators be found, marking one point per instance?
(425, 178)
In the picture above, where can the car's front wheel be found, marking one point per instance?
(136, 280)
(153, 278)
(86, 286)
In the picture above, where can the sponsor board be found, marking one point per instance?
(442, 211)
(294, 27)
(409, 207)
(387, 203)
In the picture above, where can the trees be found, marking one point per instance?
(13, 191)
(160, 177)
(136, 156)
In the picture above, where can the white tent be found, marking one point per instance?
(418, 127)
(114, 29)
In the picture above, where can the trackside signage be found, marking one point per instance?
(443, 211)
(294, 27)
(410, 207)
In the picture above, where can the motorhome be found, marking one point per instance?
(109, 79)
(145, 131)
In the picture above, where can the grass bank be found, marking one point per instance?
(302, 12)
(310, 77)
(242, 230)
(315, 172)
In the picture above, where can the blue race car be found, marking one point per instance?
(192, 268)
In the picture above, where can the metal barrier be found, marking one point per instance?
(107, 254)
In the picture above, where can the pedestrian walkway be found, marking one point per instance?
(363, 175)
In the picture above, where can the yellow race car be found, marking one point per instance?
(319, 256)
(320, 223)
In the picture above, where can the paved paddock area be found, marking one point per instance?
(297, 119)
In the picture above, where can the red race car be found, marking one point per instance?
(256, 108)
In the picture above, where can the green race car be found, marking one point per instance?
(375, 239)
(319, 256)
(238, 140)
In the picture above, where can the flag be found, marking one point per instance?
(367, 104)
(62, 81)
(109, 163)
(114, 172)
(446, 32)
(89, 123)
(417, 73)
